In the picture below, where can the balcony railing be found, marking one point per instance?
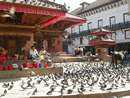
(118, 26)
(114, 27)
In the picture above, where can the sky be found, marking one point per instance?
(73, 3)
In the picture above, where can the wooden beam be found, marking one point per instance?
(52, 21)
(16, 26)
(28, 27)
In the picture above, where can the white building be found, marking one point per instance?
(108, 14)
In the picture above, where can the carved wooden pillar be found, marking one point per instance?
(45, 44)
(27, 46)
(59, 44)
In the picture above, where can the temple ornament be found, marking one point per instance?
(40, 3)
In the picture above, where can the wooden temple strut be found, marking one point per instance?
(27, 27)
(52, 21)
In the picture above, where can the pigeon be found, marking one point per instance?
(5, 92)
(109, 88)
(50, 92)
(55, 81)
(79, 91)
(82, 88)
(31, 85)
(12, 83)
(62, 89)
(35, 91)
(46, 84)
(10, 87)
(5, 85)
(39, 80)
(74, 86)
(70, 91)
(102, 86)
(22, 85)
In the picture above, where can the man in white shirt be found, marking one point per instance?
(33, 53)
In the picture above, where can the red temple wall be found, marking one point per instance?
(58, 44)
(51, 45)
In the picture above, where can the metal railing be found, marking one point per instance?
(114, 27)
(118, 26)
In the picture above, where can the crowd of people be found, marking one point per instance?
(77, 78)
(35, 59)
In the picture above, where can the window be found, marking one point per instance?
(81, 40)
(127, 34)
(126, 17)
(113, 36)
(80, 28)
(94, 11)
(100, 23)
(99, 10)
(115, 4)
(85, 27)
(122, 2)
(105, 7)
(89, 25)
(118, 3)
(72, 29)
(108, 6)
(112, 20)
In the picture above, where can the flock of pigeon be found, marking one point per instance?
(77, 78)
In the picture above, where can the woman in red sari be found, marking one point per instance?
(3, 56)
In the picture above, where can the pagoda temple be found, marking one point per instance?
(27, 22)
(102, 41)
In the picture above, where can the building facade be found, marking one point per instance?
(108, 14)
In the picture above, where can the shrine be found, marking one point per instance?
(27, 22)
(102, 40)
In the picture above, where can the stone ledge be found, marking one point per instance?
(28, 72)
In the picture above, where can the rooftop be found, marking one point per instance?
(39, 3)
(93, 5)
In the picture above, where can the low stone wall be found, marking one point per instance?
(69, 59)
(97, 95)
(28, 72)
